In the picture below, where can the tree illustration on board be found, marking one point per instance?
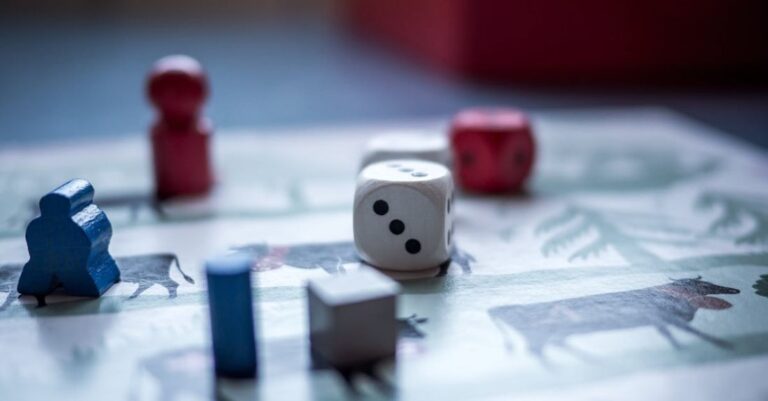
(737, 213)
(761, 286)
(626, 170)
(745, 214)
(628, 233)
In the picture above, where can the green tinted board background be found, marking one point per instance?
(634, 266)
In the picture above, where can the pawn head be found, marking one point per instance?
(177, 86)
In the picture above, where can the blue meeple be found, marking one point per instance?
(69, 245)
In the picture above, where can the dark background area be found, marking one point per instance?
(73, 70)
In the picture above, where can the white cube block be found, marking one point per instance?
(407, 145)
(352, 317)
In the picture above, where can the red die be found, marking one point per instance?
(177, 87)
(493, 149)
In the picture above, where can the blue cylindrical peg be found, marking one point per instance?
(231, 311)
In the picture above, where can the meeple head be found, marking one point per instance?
(177, 86)
(67, 199)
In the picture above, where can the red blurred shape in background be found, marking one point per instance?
(177, 86)
(562, 40)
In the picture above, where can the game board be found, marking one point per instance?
(635, 267)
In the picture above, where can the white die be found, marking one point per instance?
(407, 145)
(403, 217)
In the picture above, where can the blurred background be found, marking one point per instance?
(74, 69)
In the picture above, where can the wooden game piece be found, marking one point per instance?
(352, 317)
(403, 217)
(407, 145)
(69, 245)
(177, 87)
(493, 149)
(231, 312)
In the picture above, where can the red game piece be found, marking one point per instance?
(177, 87)
(493, 149)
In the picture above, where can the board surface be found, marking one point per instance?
(635, 267)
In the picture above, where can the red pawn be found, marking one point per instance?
(493, 149)
(177, 87)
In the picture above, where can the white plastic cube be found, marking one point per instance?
(416, 145)
(352, 317)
